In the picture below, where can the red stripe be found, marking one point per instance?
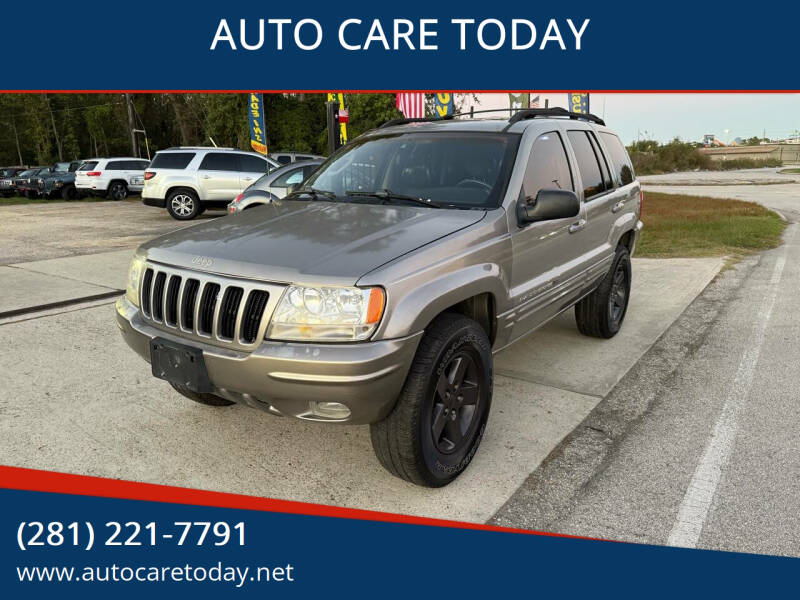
(16, 478)
(390, 91)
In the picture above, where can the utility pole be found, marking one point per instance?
(334, 139)
(132, 126)
(16, 138)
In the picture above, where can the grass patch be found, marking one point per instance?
(792, 171)
(690, 226)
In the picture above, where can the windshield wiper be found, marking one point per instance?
(315, 193)
(387, 195)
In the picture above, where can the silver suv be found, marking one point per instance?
(186, 181)
(379, 291)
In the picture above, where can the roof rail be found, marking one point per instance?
(405, 121)
(533, 113)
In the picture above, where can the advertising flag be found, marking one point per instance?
(258, 131)
(535, 102)
(518, 101)
(443, 104)
(339, 97)
(578, 102)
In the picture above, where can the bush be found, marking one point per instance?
(651, 158)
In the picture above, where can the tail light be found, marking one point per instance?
(94, 173)
(239, 197)
(148, 175)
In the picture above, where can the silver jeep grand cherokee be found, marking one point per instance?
(378, 292)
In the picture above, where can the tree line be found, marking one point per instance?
(41, 128)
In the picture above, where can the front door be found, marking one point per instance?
(547, 266)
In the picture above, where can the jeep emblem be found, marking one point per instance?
(203, 261)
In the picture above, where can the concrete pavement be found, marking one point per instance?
(102, 413)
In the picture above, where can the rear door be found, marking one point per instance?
(599, 194)
(547, 262)
(218, 176)
(251, 167)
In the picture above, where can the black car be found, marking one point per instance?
(24, 184)
(7, 175)
(60, 181)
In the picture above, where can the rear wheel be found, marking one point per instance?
(118, 190)
(183, 205)
(436, 426)
(601, 313)
(69, 193)
(207, 399)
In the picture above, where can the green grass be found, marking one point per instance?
(792, 171)
(692, 226)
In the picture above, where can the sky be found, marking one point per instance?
(689, 116)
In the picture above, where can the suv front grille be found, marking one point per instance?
(209, 307)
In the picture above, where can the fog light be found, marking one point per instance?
(329, 410)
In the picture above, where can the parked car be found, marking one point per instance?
(274, 185)
(59, 181)
(26, 183)
(7, 175)
(379, 291)
(187, 181)
(287, 156)
(113, 178)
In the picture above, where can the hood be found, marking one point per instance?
(307, 241)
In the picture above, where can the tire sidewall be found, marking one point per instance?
(443, 468)
(196, 205)
(112, 190)
(624, 259)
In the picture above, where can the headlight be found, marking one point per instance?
(327, 314)
(134, 277)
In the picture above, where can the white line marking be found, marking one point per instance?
(700, 493)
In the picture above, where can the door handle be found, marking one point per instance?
(206, 176)
(247, 179)
(576, 227)
(618, 206)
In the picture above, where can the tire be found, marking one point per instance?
(602, 312)
(30, 194)
(183, 205)
(207, 399)
(117, 190)
(69, 193)
(406, 442)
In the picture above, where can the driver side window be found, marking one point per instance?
(548, 167)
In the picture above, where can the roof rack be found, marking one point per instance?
(405, 121)
(533, 113)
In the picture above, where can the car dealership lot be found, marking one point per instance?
(77, 399)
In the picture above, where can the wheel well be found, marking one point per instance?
(627, 240)
(181, 187)
(113, 181)
(480, 308)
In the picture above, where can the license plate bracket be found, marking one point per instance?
(180, 364)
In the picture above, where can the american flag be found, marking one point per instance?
(411, 105)
(534, 101)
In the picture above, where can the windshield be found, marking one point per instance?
(27, 173)
(454, 169)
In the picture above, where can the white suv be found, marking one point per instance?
(111, 177)
(187, 181)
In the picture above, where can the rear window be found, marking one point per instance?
(117, 165)
(619, 158)
(88, 166)
(172, 160)
(284, 159)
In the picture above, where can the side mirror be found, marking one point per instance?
(548, 205)
(292, 188)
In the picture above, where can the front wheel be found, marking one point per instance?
(601, 313)
(438, 423)
(118, 190)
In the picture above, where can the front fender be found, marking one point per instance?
(411, 312)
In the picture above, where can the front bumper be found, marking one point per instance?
(286, 377)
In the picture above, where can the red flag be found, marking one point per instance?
(411, 105)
